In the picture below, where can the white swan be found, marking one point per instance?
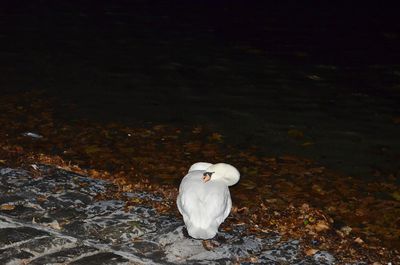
(204, 199)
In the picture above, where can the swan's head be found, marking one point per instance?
(222, 172)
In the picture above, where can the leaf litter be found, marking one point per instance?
(357, 220)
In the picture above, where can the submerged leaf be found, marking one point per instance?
(396, 195)
(91, 149)
(216, 137)
(294, 133)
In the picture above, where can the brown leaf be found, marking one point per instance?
(321, 226)
(318, 189)
(54, 225)
(346, 230)
(310, 251)
(253, 259)
(359, 240)
(215, 137)
(7, 207)
(197, 130)
(207, 245)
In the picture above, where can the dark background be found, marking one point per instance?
(253, 71)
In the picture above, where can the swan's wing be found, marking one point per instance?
(179, 203)
(199, 166)
(228, 206)
(219, 204)
(205, 205)
(185, 202)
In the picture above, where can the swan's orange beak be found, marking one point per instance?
(206, 178)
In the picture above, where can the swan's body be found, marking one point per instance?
(204, 199)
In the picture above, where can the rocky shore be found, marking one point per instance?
(59, 217)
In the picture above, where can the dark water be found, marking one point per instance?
(262, 75)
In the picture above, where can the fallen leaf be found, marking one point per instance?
(7, 207)
(305, 207)
(321, 226)
(197, 130)
(310, 251)
(41, 198)
(253, 259)
(396, 195)
(359, 240)
(346, 230)
(208, 245)
(54, 225)
(318, 189)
